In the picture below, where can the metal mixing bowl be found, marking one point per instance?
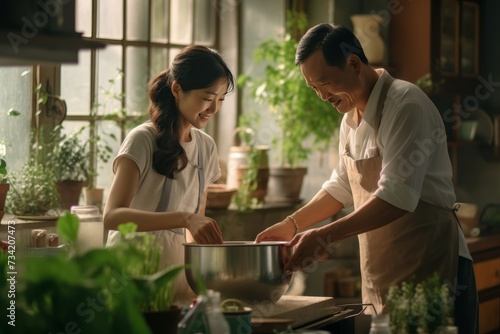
(251, 272)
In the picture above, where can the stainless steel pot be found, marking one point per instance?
(252, 272)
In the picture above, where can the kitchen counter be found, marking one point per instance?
(90, 235)
(484, 247)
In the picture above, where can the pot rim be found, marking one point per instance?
(239, 244)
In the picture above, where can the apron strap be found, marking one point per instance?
(381, 100)
(167, 187)
(201, 175)
(378, 113)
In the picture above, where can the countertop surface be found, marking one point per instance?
(483, 242)
(484, 247)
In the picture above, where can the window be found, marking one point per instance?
(142, 37)
(15, 95)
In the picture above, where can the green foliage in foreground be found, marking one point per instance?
(95, 292)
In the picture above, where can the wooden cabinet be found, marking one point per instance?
(488, 281)
(486, 254)
(488, 274)
(439, 40)
(489, 316)
(456, 46)
(438, 37)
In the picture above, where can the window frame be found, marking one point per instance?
(50, 75)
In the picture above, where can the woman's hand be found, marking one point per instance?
(203, 229)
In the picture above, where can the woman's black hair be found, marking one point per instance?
(195, 67)
(336, 43)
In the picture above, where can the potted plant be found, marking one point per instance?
(100, 148)
(69, 161)
(249, 164)
(299, 113)
(88, 292)
(32, 191)
(424, 307)
(157, 306)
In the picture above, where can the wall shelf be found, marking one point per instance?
(17, 48)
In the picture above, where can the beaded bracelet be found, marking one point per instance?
(292, 219)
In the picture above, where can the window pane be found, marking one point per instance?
(74, 127)
(16, 93)
(109, 61)
(159, 60)
(110, 23)
(75, 85)
(204, 22)
(159, 18)
(137, 20)
(172, 52)
(137, 80)
(181, 18)
(83, 18)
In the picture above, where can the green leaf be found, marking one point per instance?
(13, 112)
(127, 228)
(67, 227)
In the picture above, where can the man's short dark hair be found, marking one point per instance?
(336, 43)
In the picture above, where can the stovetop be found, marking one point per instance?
(300, 309)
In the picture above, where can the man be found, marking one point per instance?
(395, 171)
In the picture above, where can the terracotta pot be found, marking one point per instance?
(161, 322)
(262, 179)
(70, 192)
(285, 184)
(219, 196)
(4, 188)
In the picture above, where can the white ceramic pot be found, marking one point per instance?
(367, 29)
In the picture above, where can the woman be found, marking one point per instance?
(164, 166)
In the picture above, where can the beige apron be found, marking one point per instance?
(412, 247)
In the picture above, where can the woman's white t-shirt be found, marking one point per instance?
(139, 146)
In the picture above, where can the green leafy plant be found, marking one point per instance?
(243, 200)
(92, 292)
(32, 190)
(427, 84)
(420, 307)
(69, 158)
(3, 170)
(296, 109)
(150, 251)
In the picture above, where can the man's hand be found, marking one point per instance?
(282, 231)
(309, 247)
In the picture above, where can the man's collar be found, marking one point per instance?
(371, 106)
